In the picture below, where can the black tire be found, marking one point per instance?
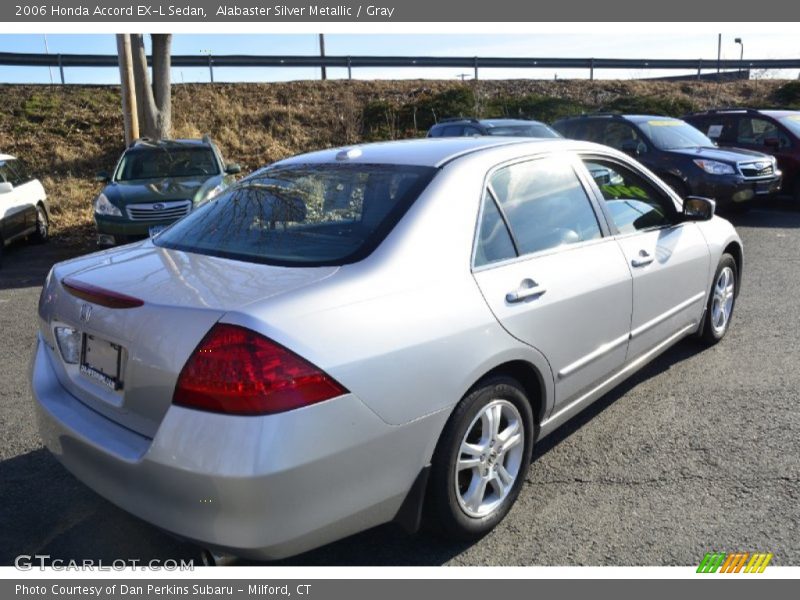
(42, 233)
(711, 332)
(445, 513)
(2, 249)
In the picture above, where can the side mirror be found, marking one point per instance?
(697, 208)
(102, 177)
(772, 142)
(233, 168)
(634, 147)
(6, 187)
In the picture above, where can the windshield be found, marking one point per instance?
(160, 162)
(302, 215)
(539, 130)
(792, 123)
(674, 134)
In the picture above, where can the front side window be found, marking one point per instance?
(756, 132)
(302, 215)
(160, 162)
(634, 203)
(544, 204)
(718, 128)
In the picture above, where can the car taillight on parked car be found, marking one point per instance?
(238, 371)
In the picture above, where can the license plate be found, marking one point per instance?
(156, 229)
(101, 361)
(763, 187)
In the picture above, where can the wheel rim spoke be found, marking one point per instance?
(489, 458)
(476, 492)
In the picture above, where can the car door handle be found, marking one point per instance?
(528, 288)
(643, 259)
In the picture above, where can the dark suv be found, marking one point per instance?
(775, 132)
(156, 183)
(460, 127)
(681, 155)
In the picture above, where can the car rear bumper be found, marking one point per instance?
(735, 189)
(261, 487)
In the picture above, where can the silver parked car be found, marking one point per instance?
(362, 335)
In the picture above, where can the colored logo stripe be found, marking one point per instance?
(711, 562)
(758, 563)
(734, 562)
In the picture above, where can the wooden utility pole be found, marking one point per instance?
(129, 109)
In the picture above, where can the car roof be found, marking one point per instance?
(632, 118)
(775, 113)
(499, 122)
(7, 157)
(779, 114)
(507, 122)
(432, 152)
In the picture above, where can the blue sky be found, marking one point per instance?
(606, 45)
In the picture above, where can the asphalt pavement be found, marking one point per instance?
(698, 452)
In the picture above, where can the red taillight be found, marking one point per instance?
(97, 295)
(237, 371)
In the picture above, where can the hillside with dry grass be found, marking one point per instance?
(68, 133)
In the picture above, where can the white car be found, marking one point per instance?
(23, 204)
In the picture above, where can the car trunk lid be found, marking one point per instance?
(133, 352)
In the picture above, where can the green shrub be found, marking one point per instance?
(533, 106)
(650, 105)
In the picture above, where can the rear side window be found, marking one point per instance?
(302, 215)
(545, 205)
(494, 240)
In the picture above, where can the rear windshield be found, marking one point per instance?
(302, 215)
(159, 162)
(537, 130)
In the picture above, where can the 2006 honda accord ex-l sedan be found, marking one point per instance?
(376, 333)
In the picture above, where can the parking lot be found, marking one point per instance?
(698, 452)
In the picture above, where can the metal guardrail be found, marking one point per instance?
(63, 61)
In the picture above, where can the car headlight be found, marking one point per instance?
(103, 206)
(715, 167)
(211, 192)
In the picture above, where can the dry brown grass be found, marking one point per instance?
(69, 133)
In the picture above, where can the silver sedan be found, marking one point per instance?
(370, 334)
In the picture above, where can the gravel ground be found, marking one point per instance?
(698, 452)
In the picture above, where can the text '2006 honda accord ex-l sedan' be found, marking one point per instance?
(376, 333)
